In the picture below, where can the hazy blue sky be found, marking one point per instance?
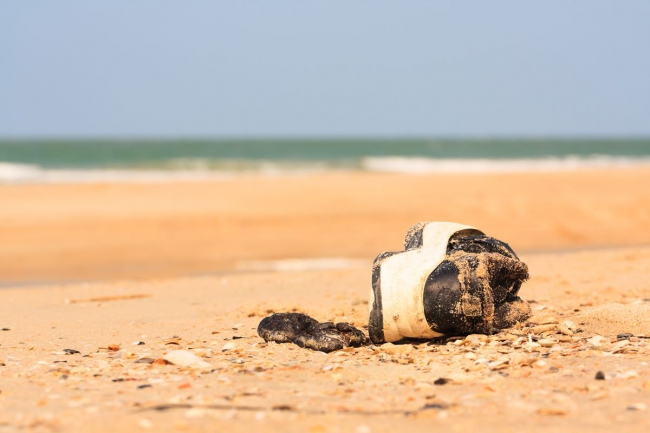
(333, 68)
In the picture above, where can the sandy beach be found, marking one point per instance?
(102, 281)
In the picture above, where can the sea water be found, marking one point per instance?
(160, 160)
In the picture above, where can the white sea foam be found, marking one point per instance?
(197, 170)
(23, 173)
(10, 172)
(415, 165)
(186, 171)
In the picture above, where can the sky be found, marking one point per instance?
(324, 68)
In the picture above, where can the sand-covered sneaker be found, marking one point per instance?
(450, 279)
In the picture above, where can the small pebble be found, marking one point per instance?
(441, 381)
(600, 376)
(539, 364)
(547, 342)
(228, 346)
(596, 340)
(145, 423)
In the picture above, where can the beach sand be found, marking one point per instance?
(97, 268)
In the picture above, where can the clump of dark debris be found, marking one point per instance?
(309, 333)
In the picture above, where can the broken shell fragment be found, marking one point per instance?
(185, 358)
(450, 279)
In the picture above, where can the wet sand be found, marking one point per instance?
(583, 235)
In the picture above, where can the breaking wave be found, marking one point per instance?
(416, 165)
(212, 169)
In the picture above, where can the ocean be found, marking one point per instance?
(166, 159)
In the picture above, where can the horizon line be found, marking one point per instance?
(315, 138)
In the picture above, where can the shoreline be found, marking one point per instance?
(206, 170)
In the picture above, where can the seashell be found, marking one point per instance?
(185, 358)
